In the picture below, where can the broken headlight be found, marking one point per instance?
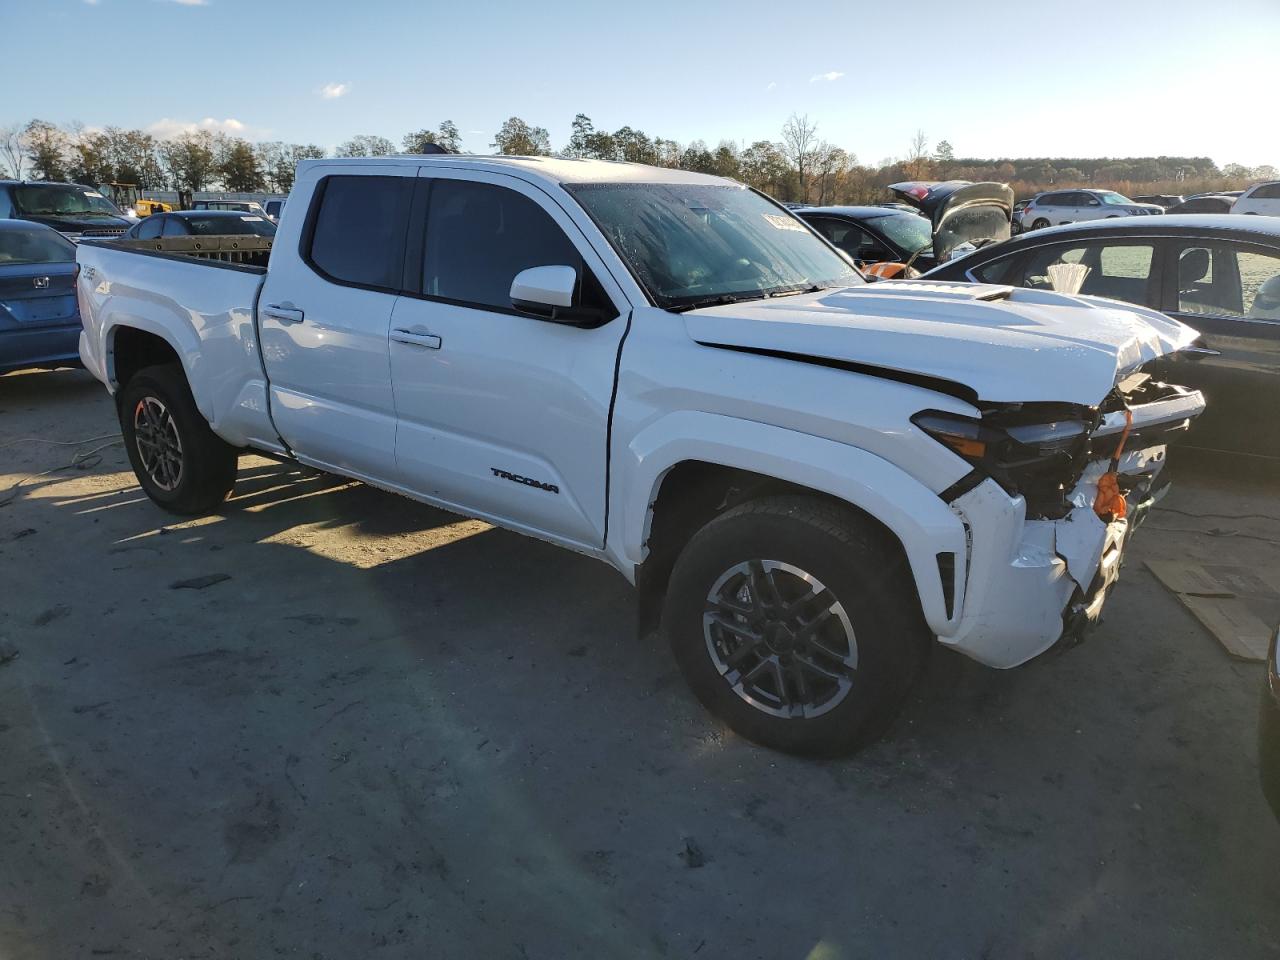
(1039, 461)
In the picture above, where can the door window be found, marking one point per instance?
(1118, 271)
(1221, 280)
(357, 236)
(174, 227)
(852, 239)
(997, 271)
(479, 236)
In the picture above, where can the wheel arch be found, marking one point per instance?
(130, 345)
(691, 466)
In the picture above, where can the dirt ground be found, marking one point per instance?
(332, 723)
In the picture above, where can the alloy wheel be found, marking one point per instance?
(159, 447)
(780, 638)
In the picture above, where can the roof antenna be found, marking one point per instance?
(435, 148)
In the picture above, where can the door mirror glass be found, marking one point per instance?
(543, 290)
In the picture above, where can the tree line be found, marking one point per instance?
(799, 166)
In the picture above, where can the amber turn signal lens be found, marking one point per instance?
(964, 446)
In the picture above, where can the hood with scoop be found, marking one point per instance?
(960, 212)
(979, 341)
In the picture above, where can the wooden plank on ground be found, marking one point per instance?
(1215, 594)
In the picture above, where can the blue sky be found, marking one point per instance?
(994, 77)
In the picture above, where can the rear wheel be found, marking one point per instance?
(795, 624)
(181, 464)
(1039, 223)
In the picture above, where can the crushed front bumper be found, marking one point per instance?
(1033, 582)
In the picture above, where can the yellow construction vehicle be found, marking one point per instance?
(128, 197)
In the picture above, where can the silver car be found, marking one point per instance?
(1072, 206)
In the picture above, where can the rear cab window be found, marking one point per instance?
(356, 233)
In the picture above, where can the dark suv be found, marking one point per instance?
(72, 209)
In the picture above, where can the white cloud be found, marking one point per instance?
(190, 3)
(828, 76)
(332, 91)
(93, 3)
(166, 128)
(773, 85)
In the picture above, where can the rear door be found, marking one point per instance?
(323, 318)
(502, 414)
(1230, 292)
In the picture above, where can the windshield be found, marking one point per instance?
(55, 200)
(1115, 199)
(39, 245)
(228, 226)
(907, 231)
(687, 243)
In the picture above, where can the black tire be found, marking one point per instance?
(1039, 223)
(196, 469)
(871, 586)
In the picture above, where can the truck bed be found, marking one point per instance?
(237, 250)
(198, 295)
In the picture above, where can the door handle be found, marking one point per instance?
(416, 339)
(283, 313)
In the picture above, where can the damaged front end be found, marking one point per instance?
(1082, 478)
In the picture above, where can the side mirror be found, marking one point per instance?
(548, 293)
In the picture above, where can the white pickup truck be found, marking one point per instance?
(809, 478)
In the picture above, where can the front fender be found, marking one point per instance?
(923, 524)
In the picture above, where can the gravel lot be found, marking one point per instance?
(386, 731)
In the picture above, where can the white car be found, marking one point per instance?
(243, 206)
(1071, 206)
(1261, 198)
(809, 478)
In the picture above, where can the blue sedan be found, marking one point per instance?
(39, 316)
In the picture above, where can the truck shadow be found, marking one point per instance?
(334, 704)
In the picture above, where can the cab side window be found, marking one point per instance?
(479, 236)
(358, 229)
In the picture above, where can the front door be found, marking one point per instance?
(324, 315)
(1230, 292)
(502, 414)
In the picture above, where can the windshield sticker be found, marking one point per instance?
(250, 218)
(91, 193)
(780, 222)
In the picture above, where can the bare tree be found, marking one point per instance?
(830, 163)
(799, 143)
(13, 154)
(917, 164)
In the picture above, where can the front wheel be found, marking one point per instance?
(796, 624)
(1039, 224)
(180, 463)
